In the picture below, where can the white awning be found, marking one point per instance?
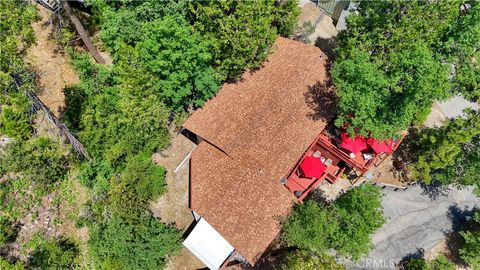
(208, 245)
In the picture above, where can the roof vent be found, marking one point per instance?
(283, 180)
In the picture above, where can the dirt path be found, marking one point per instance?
(53, 68)
(172, 207)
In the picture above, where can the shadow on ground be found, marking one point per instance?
(417, 255)
(327, 45)
(461, 220)
(435, 190)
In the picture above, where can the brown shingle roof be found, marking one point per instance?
(254, 131)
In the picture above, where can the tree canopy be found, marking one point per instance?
(305, 260)
(241, 32)
(169, 57)
(388, 69)
(462, 47)
(345, 226)
(444, 153)
(470, 251)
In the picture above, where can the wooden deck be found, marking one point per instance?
(337, 160)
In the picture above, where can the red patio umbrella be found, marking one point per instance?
(312, 167)
(358, 144)
(381, 146)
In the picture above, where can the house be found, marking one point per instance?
(253, 139)
(249, 136)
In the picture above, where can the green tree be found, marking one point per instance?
(304, 260)
(466, 167)
(396, 46)
(383, 28)
(345, 226)
(120, 21)
(179, 63)
(462, 47)
(437, 149)
(470, 251)
(362, 89)
(242, 32)
(310, 227)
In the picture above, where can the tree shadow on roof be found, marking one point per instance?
(321, 99)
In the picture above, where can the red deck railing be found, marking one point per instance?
(329, 148)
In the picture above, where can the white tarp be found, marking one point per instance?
(208, 245)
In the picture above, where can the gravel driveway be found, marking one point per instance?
(416, 219)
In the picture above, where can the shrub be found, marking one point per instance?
(15, 116)
(131, 246)
(53, 255)
(8, 230)
(470, 251)
(39, 160)
(303, 260)
(140, 182)
(5, 264)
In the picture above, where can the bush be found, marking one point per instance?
(416, 264)
(303, 260)
(140, 245)
(53, 255)
(5, 264)
(8, 230)
(439, 263)
(39, 160)
(140, 182)
(15, 116)
(442, 263)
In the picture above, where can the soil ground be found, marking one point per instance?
(385, 173)
(53, 68)
(172, 207)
